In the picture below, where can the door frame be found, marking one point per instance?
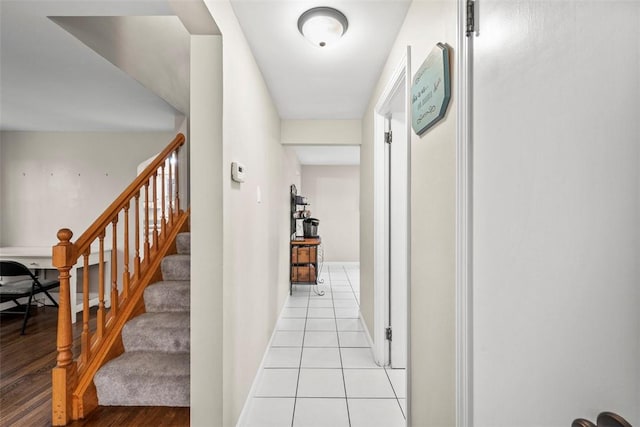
(464, 218)
(399, 80)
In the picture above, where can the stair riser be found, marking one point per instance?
(176, 267)
(168, 296)
(167, 340)
(183, 243)
(163, 332)
(144, 379)
(149, 392)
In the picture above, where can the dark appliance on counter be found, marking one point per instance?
(310, 227)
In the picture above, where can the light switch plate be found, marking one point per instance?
(237, 171)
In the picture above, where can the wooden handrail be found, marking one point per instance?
(73, 393)
(118, 204)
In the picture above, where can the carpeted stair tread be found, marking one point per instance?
(183, 243)
(168, 295)
(144, 379)
(176, 267)
(165, 332)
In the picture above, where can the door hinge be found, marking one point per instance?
(388, 334)
(388, 137)
(471, 17)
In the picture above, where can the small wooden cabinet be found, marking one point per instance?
(304, 261)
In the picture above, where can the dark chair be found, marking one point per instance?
(609, 419)
(29, 286)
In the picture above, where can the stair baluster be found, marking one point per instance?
(147, 226)
(155, 211)
(86, 334)
(177, 175)
(101, 288)
(171, 186)
(164, 201)
(114, 267)
(125, 274)
(136, 260)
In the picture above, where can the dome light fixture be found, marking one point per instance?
(322, 26)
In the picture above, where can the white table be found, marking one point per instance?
(39, 258)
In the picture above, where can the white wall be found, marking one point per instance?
(321, 132)
(334, 194)
(556, 212)
(207, 328)
(432, 307)
(53, 180)
(255, 235)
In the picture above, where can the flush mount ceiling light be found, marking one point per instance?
(322, 26)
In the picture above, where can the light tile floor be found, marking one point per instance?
(319, 370)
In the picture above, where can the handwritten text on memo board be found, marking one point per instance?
(431, 90)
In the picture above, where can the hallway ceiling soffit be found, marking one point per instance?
(154, 50)
(327, 155)
(308, 82)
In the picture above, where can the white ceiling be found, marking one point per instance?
(50, 81)
(330, 155)
(307, 82)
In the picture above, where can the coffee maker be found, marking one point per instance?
(310, 227)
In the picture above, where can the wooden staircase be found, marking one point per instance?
(140, 228)
(154, 368)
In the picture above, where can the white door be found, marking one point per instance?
(398, 229)
(556, 102)
(387, 240)
(391, 222)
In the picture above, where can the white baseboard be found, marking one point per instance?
(345, 263)
(256, 379)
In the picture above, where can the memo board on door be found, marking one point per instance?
(431, 90)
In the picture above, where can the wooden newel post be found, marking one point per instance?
(64, 375)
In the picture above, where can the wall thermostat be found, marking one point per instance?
(237, 172)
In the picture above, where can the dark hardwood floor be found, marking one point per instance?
(25, 379)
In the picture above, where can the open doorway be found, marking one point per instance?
(392, 221)
(330, 182)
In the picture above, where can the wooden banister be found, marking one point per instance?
(120, 296)
(118, 204)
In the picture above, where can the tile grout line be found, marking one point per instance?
(357, 298)
(304, 332)
(351, 286)
(344, 382)
(394, 391)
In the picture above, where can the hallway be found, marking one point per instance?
(319, 370)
